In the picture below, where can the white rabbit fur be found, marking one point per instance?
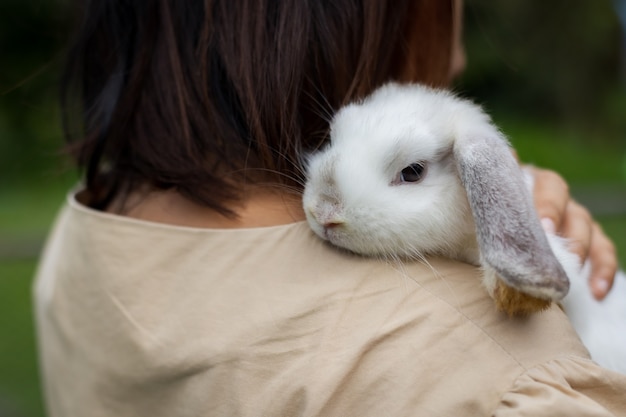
(355, 197)
(601, 325)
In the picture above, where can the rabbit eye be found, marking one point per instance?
(413, 173)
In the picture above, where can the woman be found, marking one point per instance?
(182, 280)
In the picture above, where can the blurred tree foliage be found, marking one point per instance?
(557, 60)
(32, 36)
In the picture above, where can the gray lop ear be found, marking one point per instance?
(509, 233)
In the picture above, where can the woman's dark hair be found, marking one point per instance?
(197, 95)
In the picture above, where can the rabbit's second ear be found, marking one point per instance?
(509, 233)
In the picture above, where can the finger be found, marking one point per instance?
(551, 196)
(603, 258)
(577, 228)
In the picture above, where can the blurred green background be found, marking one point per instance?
(552, 74)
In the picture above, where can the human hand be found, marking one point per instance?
(560, 214)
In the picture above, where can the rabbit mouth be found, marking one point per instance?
(336, 234)
(342, 238)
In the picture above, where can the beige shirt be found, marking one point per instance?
(145, 319)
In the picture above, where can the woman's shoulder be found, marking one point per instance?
(289, 262)
(355, 333)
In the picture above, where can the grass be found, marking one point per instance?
(27, 209)
(26, 212)
(582, 159)
(20, 393)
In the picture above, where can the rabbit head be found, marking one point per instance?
(411, 171)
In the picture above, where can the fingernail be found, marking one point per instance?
(548, 225)
(599, 287)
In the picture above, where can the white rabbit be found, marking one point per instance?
(412, 171)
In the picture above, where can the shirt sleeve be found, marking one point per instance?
(570, 386)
